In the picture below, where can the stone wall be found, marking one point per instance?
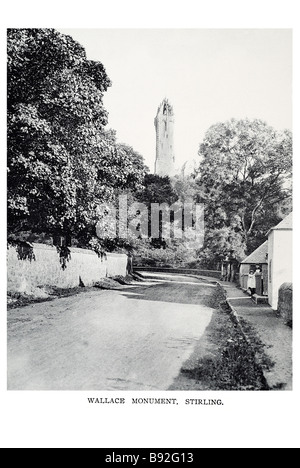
(188, 271)
(25, 276)
(285, 302)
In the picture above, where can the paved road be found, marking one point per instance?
(133, 339)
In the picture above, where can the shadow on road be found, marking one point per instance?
(175, 293)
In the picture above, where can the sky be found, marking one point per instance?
(208, 75)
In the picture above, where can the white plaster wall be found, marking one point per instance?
(280, 252)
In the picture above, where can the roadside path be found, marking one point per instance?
(276, 336)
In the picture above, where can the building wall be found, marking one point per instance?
(25, 276)
(279, 263)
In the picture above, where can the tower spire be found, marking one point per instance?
(164, 126)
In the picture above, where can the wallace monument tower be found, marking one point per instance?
(164, 126)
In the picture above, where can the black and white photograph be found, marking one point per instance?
(149, 209)
(149, 235)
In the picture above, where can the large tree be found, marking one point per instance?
(61, 161)
(245, 183)
(177, 243)
(157, 189)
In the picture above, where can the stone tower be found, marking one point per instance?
(164, 126)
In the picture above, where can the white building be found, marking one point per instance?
(258, 258)
(280, 240)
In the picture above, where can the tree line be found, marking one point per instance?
(63, 162)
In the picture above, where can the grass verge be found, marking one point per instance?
(224, 358)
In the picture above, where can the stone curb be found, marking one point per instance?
(235, 315)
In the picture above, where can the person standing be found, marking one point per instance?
(251, 285)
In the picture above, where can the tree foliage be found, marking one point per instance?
(62, 162)
(244, 180)
(157, 189)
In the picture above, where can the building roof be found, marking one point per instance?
(258, 256)
(286, 223)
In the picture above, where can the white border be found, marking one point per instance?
(63, 419)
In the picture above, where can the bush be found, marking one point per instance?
(285, 303)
